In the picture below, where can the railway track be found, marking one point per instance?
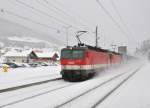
(115, 88)
(28, 85)
(98, 86)
(38, 94)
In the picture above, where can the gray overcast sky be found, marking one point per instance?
(47, 16)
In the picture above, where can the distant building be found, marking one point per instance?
(18, 57)
(2, 51)
(36, 56)
(122, 50)
(30, 56)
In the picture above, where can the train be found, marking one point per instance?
(81, 62)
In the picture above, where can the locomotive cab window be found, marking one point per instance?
(72, 54)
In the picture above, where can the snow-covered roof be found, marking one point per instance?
(44, 54)
(17, 54)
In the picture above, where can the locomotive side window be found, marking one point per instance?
(72, 54)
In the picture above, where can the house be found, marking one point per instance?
(29, 56)
(40, 56)
(2, 51)
(18, 57)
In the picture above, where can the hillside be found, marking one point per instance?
(12, 34)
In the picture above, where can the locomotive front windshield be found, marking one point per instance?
(72, 54)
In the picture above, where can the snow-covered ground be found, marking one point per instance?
(133, 94)
(20, 76)
(55, 93)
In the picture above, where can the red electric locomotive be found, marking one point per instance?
(83, 61)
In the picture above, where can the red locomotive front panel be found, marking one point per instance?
(73, 57)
